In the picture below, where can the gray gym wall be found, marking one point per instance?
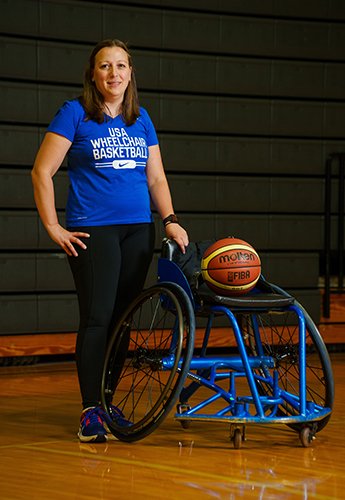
(248, 98)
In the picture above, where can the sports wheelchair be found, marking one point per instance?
(275, 368)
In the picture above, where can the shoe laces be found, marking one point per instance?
(90, 416)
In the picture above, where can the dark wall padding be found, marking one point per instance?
(248, 99)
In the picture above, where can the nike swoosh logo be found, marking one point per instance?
(124, 164)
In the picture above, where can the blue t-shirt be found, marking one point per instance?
(106, 166)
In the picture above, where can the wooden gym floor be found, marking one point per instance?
(41, 457)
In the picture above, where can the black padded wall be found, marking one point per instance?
(248, 99)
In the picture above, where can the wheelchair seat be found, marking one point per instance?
(264, 295)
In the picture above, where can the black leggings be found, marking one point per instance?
(108, 275)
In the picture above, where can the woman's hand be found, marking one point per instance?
(67, 239)
(175, 232)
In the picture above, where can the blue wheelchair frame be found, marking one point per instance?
(239, 409)
(278, 371)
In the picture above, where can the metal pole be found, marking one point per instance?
(341, 223)
(327, 238)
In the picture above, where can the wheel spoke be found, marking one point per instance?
(277, 336)
(160, 325)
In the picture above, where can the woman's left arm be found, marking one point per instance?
(161, 196)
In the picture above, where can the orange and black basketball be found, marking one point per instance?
(231, 266)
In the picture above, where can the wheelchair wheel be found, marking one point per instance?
(147, 361)
(276, 335)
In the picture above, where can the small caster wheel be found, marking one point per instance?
(181, 408)
(306, 436)
(237, 439)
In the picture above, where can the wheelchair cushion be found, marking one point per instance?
(256, 299)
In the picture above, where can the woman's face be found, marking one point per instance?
(112, 73)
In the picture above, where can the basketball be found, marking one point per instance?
(230, 266)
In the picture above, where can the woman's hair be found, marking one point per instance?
(93, 100)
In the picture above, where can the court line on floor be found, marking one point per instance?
(36, 443)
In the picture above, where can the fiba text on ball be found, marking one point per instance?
(238, 275)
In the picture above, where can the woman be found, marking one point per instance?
(115, 170)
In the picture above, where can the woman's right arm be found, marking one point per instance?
(48, 160)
